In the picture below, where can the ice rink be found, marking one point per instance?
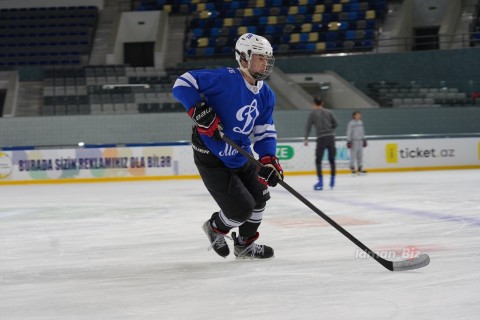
(136, 250)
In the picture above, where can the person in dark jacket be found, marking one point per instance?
(325, 124)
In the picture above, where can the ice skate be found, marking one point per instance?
(353, 171)
(319, 184)
(216, 238)
(332, 182)
(250, 250)
(361, 171)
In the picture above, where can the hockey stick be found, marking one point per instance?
(410, 264)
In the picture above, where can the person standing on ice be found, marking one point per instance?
(325, 123)
(238, 103)
(356, 141)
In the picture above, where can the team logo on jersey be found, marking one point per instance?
(248, 114)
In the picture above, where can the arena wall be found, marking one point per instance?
(174, 127)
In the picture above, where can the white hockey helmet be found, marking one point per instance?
(249, 44)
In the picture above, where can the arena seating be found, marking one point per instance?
(390, 94)
(46, 36)
(101, 90)
(292, 26)
(56, 38)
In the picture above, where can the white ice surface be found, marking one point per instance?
(136, 250)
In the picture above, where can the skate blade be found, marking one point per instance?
(246, 258)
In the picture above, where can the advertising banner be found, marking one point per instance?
(388, 155)
(176, 160)
(94, 163)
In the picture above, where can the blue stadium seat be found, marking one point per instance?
(284, 21)
(34, 32)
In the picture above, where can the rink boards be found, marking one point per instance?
(174, 160)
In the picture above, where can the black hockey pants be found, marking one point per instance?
(238, 193)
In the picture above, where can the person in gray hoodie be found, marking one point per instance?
(356, 141)
(325, 124)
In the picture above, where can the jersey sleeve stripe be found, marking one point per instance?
(263, 128)
(265, 136)
(181, 83)
(187, 77)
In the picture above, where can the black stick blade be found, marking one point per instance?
(416, 263)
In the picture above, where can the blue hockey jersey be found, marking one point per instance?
(242, 108)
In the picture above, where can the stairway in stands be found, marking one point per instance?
(30, 97)
(176, 36)
(104, 32)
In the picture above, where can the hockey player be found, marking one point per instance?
(356, 142)
(237, 102)
(325, 124)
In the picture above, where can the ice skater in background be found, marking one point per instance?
(237, 102)
(325, 124)
(356, 141)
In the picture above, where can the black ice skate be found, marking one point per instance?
(251, 250)
(217, 239)
(361, 171)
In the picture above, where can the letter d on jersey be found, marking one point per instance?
(248, 113)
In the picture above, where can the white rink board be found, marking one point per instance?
(176, 160)
(394, 154)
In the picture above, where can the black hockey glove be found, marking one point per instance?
(271, 172)
(365, 143)
(207, 121)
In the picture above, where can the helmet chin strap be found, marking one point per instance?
(242, 68)
(245, 70)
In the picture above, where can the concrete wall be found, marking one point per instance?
(341, 94)
(146, 26)
(428, 13)
(170, 127)
(449, 24)
(402, 31)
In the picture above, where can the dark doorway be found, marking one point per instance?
(139, 54)
(3, 94)
(426, 38)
